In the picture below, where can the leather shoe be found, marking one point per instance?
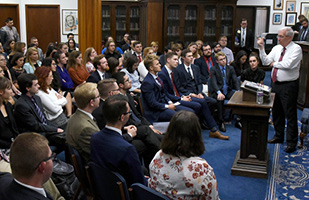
(222, 127)
(238, 125)
(218, 135)
(275, 140)
(290, 149)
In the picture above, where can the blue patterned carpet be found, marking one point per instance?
(290, 173)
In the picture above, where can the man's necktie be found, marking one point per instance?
(139, 58)
(303, 35)
(188, 71)
(37, 108)
(174, 87)
(275, 71)
(243, 38)
(159, 80)
(224, 81)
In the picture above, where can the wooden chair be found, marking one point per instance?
(141, 192)
(80, 172)
(107, 184)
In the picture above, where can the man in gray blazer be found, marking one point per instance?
(81, 125)
(303, 33)
(9, 31)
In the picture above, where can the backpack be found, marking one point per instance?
(64, 178)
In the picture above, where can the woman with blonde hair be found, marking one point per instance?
(141, 67)
(76, 69)
(193, 48)
(155, 46)
(89, 55)
(32, 60)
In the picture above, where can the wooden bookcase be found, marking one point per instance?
(189, 21)
(119, 18)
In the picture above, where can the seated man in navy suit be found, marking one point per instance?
(109, 149)
(100, 63)
(158, 104)
(166, 75)
(222, 84)
(32, 165)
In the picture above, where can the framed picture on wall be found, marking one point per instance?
(277, 18)
(69, 22)
(304, 10)
(278, 4)
(290, 19)
(290, 6)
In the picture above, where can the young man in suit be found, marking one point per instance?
(244, 38)
(32, 165)
(167, 76)
(158, 104)
(109, 149)
(29, 113)
(101, 65)
(81, 125)
(304, 31)
(222, 84)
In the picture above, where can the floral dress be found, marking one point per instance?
(182, 178)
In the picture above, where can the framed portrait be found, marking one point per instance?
(278, 5)
(277, 18)
(290, 19)
(304, 10)
(290, 6)
(69, 22)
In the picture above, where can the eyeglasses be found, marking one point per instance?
(52, 157)
(126, 113)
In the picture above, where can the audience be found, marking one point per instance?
(89, 55)
(177, 170)
(9, 46)
(101, 66)
(193, 48)
(72, 46)
(18, 47)
(32, 60)
(76, 69)
(66, 81)
(52, 101)
(109, 141)
(8, 127)
(63, 47)
(31, 162)
(141, 66)
(81, 125)
(254, 73)
(240, 63)
(17, 69)
(227, 51)
(130, 68)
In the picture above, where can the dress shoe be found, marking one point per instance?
(238, 125)
(218, 135)
(222, 127)
(290, 149)
(275, 140)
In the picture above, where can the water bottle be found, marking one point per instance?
(259, 96)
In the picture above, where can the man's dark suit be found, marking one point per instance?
(216, 83)
(204, 68)
(249, 42)
(27, 117)
(10, 189)
(199, 106)
(111, 151)
(95, 77)
(301, 33)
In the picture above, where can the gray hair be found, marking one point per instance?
(289, 31)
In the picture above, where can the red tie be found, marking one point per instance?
(274, 76)
(160, 82)
(174, 87)
(139, 58)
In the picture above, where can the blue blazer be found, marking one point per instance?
(95, 77)
(111, 151)
(182, 79)
(216, 81)
(201, 63)
(167, 82)
(154, 98)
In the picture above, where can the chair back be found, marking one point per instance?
(107, 184)
(141, 192)
(79, 168)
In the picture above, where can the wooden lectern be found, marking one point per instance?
(252, 158)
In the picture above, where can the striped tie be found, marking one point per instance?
(42, 118)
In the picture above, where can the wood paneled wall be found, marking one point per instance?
(89, 24)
